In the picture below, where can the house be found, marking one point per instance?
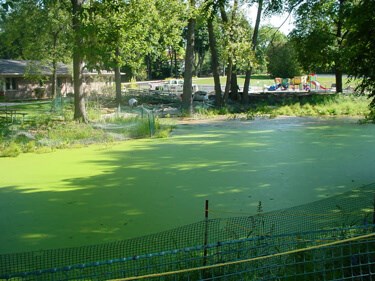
(20, 80)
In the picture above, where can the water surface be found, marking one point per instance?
(106, 193)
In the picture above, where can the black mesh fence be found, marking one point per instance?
(216, 243)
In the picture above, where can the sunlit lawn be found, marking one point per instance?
(261, 80)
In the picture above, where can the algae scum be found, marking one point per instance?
(100, 194)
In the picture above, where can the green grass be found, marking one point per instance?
(256, 80)
(262, 79)
(336, 105)
(295, 105)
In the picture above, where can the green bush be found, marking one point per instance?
(30, 146)
(141, 129)
(11, 149)
(223, 111)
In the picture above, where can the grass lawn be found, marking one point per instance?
(102, 193)
(260, 80)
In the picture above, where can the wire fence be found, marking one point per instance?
(330, 239)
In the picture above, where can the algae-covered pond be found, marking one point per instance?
(100, 194)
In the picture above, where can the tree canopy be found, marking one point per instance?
(151, 38)
(361, 48)
(320, 35)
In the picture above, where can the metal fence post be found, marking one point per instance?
(205, 233)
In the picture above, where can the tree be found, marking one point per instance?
(118, 33)
(25, 20)
(267, 8)
(361, 48)
(187, 105)
(56, 30)
(254, 42)
(320, 35)
(170, 25)
(128, 33)
(266, 37)
(201, 44)
(210, 9)
(235, 46)
(283, 61)
(77, 26)
(228, 27)
(48, 21)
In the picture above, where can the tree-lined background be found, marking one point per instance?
(156, 39)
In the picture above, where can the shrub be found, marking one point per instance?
(11, 149)
(29, 147)
(223, 111)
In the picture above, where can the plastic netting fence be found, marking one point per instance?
(149, 115)
(339, 223)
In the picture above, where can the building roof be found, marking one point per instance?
(13, 68)
(21, 67)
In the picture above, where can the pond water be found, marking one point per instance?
(100, 194)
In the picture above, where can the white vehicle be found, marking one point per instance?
(172, 85)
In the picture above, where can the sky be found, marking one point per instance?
(276, 20)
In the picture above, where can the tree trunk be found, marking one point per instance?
(338, 75)
(214, 62)
(54, 68)
(224, 17)
(118, 84)
(229, 77)
(118, 77)
(187, 101)
(200, 63)
(340, 39)
(234, 84)
(231, 65)
(246, 86)
(170, 55)
(79, 99)
(175, 63)
(254, 41)
(196, 64)
(54, 79)
(149, 70)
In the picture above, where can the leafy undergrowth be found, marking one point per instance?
(314, 106)
(43, 134)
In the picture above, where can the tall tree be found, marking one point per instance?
(264, 8)
(170, 22)
(201, 45)
(57, 32)
(187, 100)
(119, 33)
(210, 9)
(320, 35)
(77, 26)
(46, 20)
(361, 48)
(229, 32)
(254, 44)
(282, 60)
